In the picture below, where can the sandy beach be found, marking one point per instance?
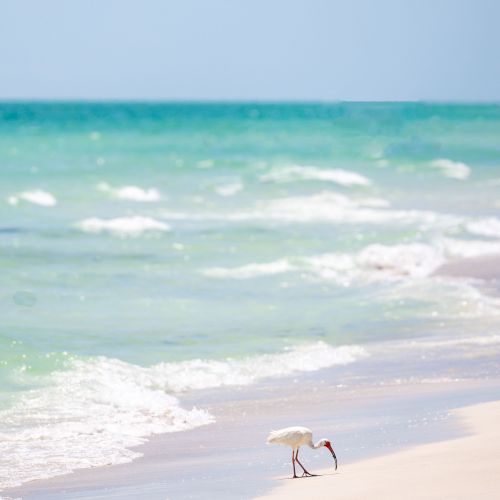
(221, 220)
(390, 425)
(461, 468)
(387, 427)
(230, 459)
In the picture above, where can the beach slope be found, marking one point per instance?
(463, 468)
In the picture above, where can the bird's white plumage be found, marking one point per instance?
(294, 437)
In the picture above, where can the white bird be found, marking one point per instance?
(295, 437)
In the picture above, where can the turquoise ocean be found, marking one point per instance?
(149, 249)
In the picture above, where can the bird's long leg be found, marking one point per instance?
(293, 463)
(306, 473)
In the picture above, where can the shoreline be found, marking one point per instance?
(229, 459)
(461, 468)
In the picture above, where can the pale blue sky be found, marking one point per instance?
(250, 50)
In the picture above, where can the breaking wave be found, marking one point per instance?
(92, 413)
(37, 197)
(489, 226)
(452, 169)
(462, 249)
(373, 263)
(304, 172)
(123, 226)
(251, 270)
(325, 207)
(229, 189)
(133, 193)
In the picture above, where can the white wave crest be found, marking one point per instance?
(483, 340)
(378, 263)
(37, 197)
(229, 189)
(489, 226)
(250, 270)
(123, 226)
(453, 169)
(201, 374)
(133, 193)
(373, 263)
(88, 416)
(92, 413)
(326, 207)
(455, 248)
(304, 172)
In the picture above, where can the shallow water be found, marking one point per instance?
(144, 244)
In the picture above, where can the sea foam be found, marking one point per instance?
(489, 226)
(325, 207)
(87, 416)
(251, 270)
(304, 172)
(37, 197)
(229, 189)
(373, 263)
(202, 374)
(480, 340)
(133, 193)
(452, 169)
(377, 263)
(123, 226)
(456, 248)
(92, 413)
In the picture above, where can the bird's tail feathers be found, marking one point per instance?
(272, 437)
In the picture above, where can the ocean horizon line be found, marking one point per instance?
(283, 102)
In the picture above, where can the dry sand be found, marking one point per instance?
(229, 459)
(220, 461)
(463, 468)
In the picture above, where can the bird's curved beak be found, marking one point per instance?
(333, 454)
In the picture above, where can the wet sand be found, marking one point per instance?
(373, 411)
(481, 268)
(462, 468)
(230, 459)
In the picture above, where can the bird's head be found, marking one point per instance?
(327, 444)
